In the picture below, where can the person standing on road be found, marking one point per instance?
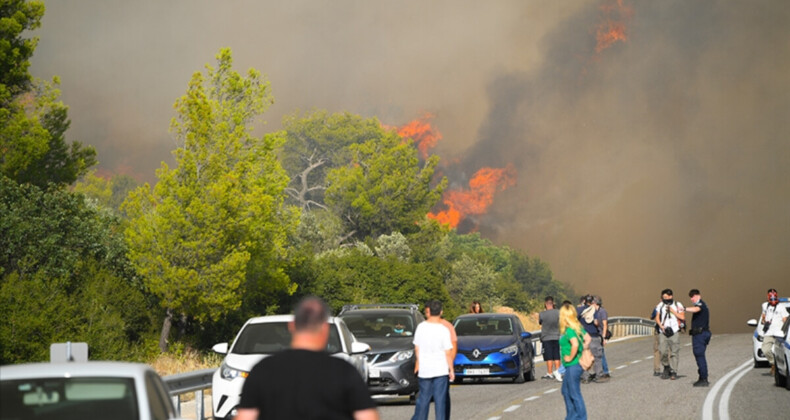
(310, 383)
(434, 366)
(549, 321)
(773, 317)
(573, 338)
(587, 320)
(700, 334)
(602, 322)
(669, 314)
(453, 339)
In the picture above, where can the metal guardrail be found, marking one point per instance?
(200, 380)
(184, 383)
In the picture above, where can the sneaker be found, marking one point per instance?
(605, 375)
(656, 373)
(557, 376)
(665, 374)
(673, 375)
(701, 382)
(601, 380)
(547, 376)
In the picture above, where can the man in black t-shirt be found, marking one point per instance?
(700, 334)
(305, 382)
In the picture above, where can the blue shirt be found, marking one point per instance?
(701, 319)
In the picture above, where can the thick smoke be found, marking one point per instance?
(660, 161)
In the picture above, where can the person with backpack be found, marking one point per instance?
(587, 320)
(669, 316)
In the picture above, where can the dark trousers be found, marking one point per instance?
(435, 388)
(699, 343)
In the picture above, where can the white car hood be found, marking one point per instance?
(244, 362)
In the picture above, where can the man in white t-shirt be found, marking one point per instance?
(434, 351)
(773, 317)
(669, 315)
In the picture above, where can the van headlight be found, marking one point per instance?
(401, 356)
(511, 350)
(228, 373)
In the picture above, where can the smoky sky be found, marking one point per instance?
(660, 161)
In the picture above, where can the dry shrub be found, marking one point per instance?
(530, 321)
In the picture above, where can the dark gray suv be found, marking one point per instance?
(389, 331)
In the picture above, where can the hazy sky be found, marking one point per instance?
(659, 160)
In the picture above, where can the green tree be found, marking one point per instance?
(383, 189)
(214, 229)
(316, 143)
(33, 121)
(109, 193)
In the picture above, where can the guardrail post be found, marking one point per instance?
(177, 404)
(199, 404)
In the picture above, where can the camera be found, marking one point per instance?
(766, 326)
(668, 332)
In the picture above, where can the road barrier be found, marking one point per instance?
(200, 380)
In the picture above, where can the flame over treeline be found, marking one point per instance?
(612, 28)
(460, 203)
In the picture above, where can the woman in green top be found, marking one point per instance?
(573, 338)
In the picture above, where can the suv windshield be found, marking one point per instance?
(366, 324)
(271, 337)
(483, 326)
(68, 398)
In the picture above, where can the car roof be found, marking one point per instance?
(74, 369)
(485, 315)
(377, 311)
(278, 318)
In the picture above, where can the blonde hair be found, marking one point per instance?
(568, 318)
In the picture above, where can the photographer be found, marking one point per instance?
(700, 334)
(669, 316)
(773, 317)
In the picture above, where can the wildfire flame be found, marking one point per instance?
(474, 201)
(613, 28)
(425, 137)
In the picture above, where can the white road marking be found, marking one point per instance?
(710, 399)
(551, 390)
(532, 398)
(648, 357)
(494, 418)
(724, 402)
(636, 361)
(622, 367)
(511, 408)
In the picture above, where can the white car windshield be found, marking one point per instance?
(272, 337)
(68, 398)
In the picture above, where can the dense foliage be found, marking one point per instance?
(333, 205)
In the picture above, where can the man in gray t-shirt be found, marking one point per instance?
(550, 338)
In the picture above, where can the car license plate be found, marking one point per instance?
(475, 371)
(374, 373)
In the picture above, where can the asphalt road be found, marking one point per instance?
(737, 390)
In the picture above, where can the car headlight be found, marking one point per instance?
(401, 356)
(511, 350)
(228, 373)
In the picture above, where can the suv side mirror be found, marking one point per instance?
(358, 347)
(751, 322)
(526, 335)
(221, 348)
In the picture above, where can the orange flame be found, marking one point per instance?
(613, 28)
(482, 187)
(424, 136)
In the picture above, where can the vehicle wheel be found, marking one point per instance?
(530, 376)
(413, 398)
(458, 380)
(779, 379)
(787, 376)
(520, 378)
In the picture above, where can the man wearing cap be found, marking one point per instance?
(700, 334)
(602, 322)
(587, 319)
(773, 317)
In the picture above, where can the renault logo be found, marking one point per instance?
(476, 353)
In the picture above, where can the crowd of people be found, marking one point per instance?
(566, 332)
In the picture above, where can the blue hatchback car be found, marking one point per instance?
(493, 345)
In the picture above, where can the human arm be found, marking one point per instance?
(246, 414)
(416, 359)
(678, 311)
(368, 414)
(450, 359)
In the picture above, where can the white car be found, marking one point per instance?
(782, 353)
(264, 336)
(83, 390)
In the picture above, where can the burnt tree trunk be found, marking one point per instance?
(166, 325)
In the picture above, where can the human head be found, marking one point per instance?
(588, 300)
(435, 308)
(597, 300)
(666, 296)
(476, 308)
(694, 295)
(398, 326)
(568, 319)
(311, 314)
(548, 303)
(773, 297)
